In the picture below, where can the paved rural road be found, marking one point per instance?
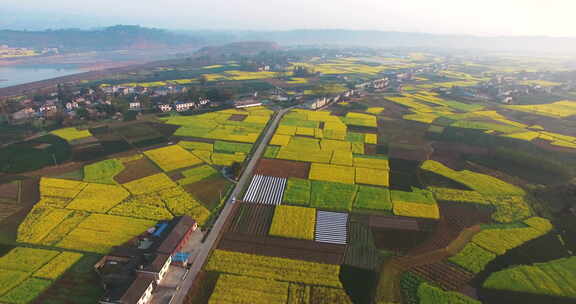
(204, 252)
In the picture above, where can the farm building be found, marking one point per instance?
(131, 273)
(139, 291)
(247, 103)
(178, 236)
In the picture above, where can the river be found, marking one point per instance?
(15, 75)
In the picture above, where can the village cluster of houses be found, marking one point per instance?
(178, 106)
(34, 109)
(131, 274)
(88, 100)
(503, 89)
(140, 90)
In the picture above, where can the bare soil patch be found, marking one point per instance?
(362, 129)
(447, 276)
(165, 129)
(208, 191)
(370, 149)
(286, 248)
(401, 223)
(176, 176)
(7, 210)
(10, 191)
(455, 217)
(30, 196)
(56, 170)
(420, 154)
(282, 168)
(135, 170)
(546, 145)
(30, 191)
(237, 117)
(252, 218)
(202, 288)
(398, 240)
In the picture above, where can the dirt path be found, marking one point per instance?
(389, 286)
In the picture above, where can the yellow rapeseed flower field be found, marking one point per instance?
(98, 198)
(332, 173)
(416, 210)
(280, 140)
(70, 134)
(274, 268)
(371, 138)
(150, 184)
(172, 157)
(378, 177)
(293, 222)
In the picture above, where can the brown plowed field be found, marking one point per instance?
(282, 168)
(286, 248)
(10, 191)
(56, 170)
(447, 276)
(401, 223)
(7, 210)
(209, 190)
(398, 240)
(409, 154)
(251, 218)
(237, 117)
(135, 170)
(30, 191)
(455, 218)
(400, 233)
(370, 149)
(546, 145)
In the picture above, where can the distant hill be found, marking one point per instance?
(396, 39)
(136, 37)
(111, 38)
(245, 48)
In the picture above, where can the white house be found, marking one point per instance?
(184, 106)
(264, 68)
(247, 103)
(47, 108)
(165, 107)
(135, 105)
(71, 105)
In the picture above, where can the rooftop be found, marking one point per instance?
(136, 289)
(183, 224)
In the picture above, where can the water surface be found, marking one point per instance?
(15, 75)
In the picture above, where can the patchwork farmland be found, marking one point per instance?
(392, 189)
(88, 211)
(323, 193)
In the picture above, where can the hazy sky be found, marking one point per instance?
(485, 17)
